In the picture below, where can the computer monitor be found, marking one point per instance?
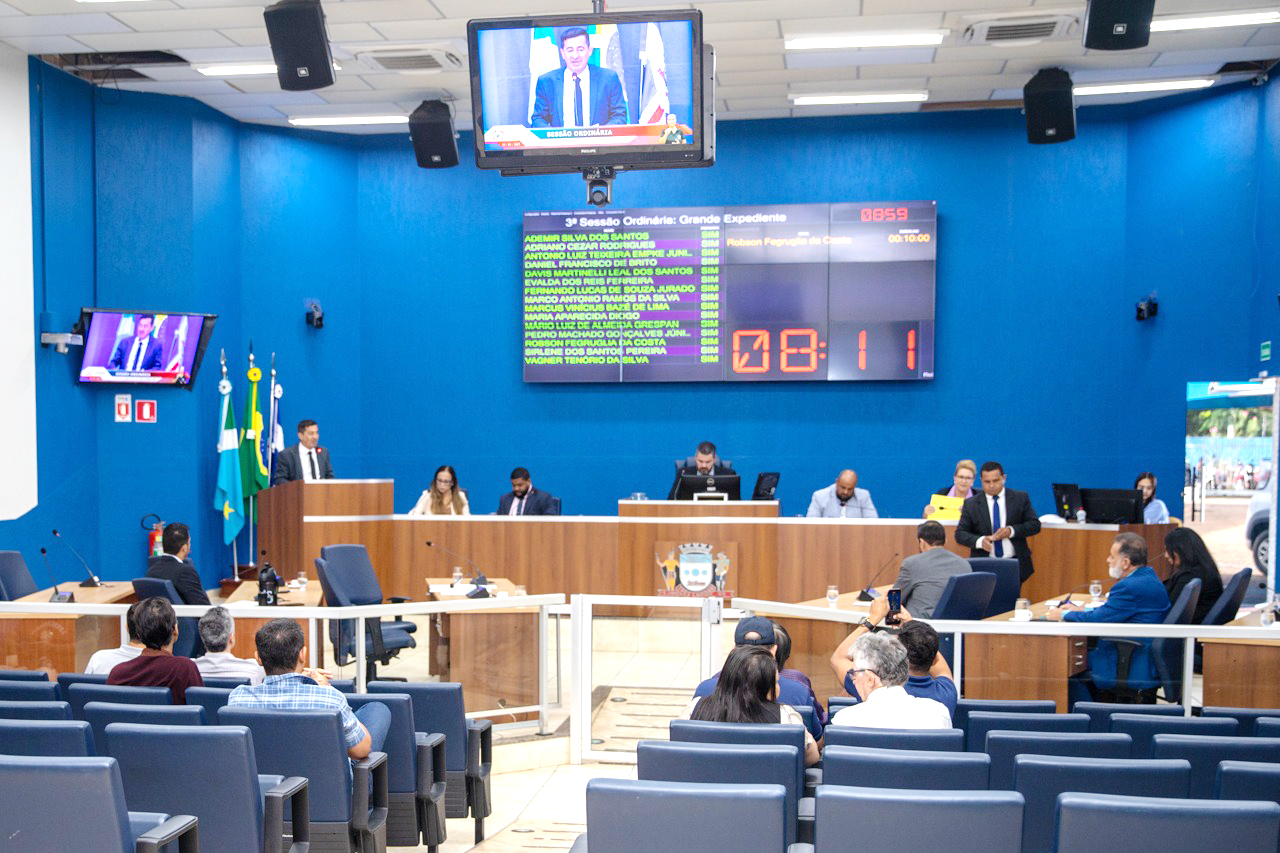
(766, 486)
(1112, 506)
(700, 487)
(1066, 500)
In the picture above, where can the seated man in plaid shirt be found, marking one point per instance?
(291, 686)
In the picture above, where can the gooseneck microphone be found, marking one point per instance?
(92, 580)
(58, 597)
(477, 577)
(1066, 599)
(869, 594)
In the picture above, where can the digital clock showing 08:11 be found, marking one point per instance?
(799, 351)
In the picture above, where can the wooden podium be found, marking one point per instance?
(288, 543)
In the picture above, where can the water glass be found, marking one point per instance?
(833, 595)
(1022, 604)
(457, 575)
(1095, 590)
(302, 581)
(1267, 617)
(520, 590)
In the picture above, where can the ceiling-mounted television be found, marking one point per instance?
(143, 347)
(562, 93)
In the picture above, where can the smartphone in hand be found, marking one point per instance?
(894, 616)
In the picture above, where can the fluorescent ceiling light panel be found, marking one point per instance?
(1137, 88)
(341, 121)
(852, 42)
(1208, 22)
(888, 98)
(243, 70)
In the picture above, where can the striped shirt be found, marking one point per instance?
(227, 665)
(293, 691)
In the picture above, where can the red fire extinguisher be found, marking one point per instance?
(155, 534)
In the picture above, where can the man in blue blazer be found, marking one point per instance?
(1137, 596)
(140, 352)
(577, 95)
(524, 499)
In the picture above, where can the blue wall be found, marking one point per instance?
(1043, 253)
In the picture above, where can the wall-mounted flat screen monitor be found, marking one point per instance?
(565, 92)
(836, 292)
(143, 347)
(1112, 506)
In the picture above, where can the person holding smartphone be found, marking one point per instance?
(880, 675)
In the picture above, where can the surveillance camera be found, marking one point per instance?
(314, 315)
(599, 193)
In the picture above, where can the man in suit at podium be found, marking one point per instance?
(306, 460)
(578, 95)
(524, 499)
(997, 522)
(705, 461)
(174, 564)
(140, 352)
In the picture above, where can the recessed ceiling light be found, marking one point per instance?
(236, 70)
(340, 121)
(1207, 22)
(848, 42)
(1129, 88)
(887, 98)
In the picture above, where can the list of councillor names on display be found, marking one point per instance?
(601, 294)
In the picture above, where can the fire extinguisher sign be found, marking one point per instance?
(144, 411)
(124, 408)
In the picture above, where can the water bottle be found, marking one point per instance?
(1080, 515)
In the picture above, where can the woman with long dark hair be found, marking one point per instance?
(1190, 559)
(1153, 509)
(444, 497)
(746, 692)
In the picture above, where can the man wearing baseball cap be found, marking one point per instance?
(758, 631)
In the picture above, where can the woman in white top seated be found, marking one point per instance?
(1153, 509)
(746, 693)
(444, 497)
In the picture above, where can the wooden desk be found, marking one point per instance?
(249, 617)
(1241, 673)
(282, 510)
(698, 509)
(1020, 666)
(493, 654)
(62, 643)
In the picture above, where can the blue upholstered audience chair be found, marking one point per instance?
(1144, 666)
(917, 769)
(1100, 712)
(309, 744)
(964, 597)
(1247, 717)
(970, 821)
(1041, 778)
(1004, 747)
(209, 698)
(416, 775)
(188, 644)
(240, 811)
(439, 709)
(1204, 753)
(1144, 727)
(29, 691)
(701, 731)
(224, 682)
(1267, 726)
(15, 577)
(1228, 604)
(80, 695)
(634, 816)
(835, 703)
(66, 679)
(101, 714)
(343, 685)
(1248, 780)
(1001, 706)
(35, 710)
(23, 675)
(944, 740)
(78, 804)
(68, 738)
(981, 722)
(1088, 823)
(348, 580)
(730, 763)
(1008, 588)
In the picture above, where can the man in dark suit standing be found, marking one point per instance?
(524, 499)
(174, 564)
(705, 461)
(578, 95)
(306, 460)
(997, 522)
(140, 352)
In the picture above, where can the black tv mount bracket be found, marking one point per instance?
(599, 184)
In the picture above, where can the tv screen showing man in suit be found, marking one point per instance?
(158, 349)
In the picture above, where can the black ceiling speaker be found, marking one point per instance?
(431, 129)
(1118, 24)
(299, 44)
(1050, 107)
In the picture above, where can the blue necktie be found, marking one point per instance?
(996, 525)
(577, 100)
(137, 359)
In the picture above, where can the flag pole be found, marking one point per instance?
(251, 517)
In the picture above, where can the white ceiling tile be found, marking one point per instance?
(247, 36)
(421, 30)
(748, 63)
(1094, 59)
(859, 87)
(6, 9)
(852, 58)
(48, 44)
(71, 7)
(386, 81)
(425, 93)
(932, 69)
(1107, 75)
(264, 99)
(1265, 35)
(270, 83)
(861, 24)
(778, 103)
(389, 10)
(224, 55)
(1045, 51)
(854, 110)
(353, 32)
(253, 113)
(327, 110)
(173, 73)
(749, 47)
(758, 10)
(894, 7)
(192, 19)
(1201, 39)
(760, 78)
(721, 31)
(1220, 57)
(154, 41)
(466, 9)
(729, 93)
(59, 25)
(168, 87)
(747, 115)
(1175, 8)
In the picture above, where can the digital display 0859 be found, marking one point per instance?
(839, 292)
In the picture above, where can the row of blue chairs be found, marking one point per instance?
(35, 686)
(750, 818)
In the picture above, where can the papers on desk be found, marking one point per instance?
(945, 508)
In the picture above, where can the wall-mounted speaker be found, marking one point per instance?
(1050, 107)
(431, 129)
(299, 44)
(1118, 24)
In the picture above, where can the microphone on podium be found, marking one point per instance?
(58, 597)
(477, 577)
(869, 594)
(92, 580)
